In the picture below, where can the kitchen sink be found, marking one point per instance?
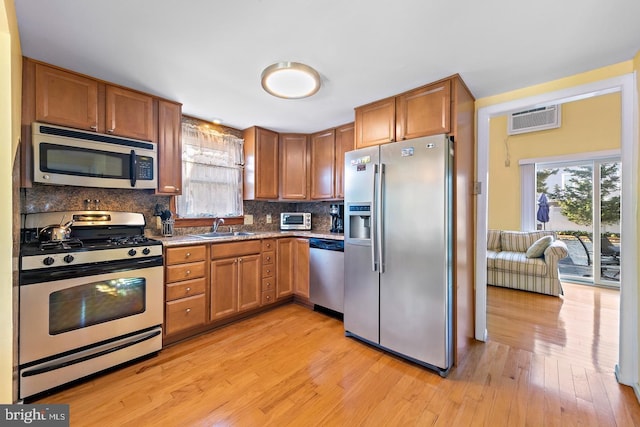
(215, 234)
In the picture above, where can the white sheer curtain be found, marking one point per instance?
(212, 165)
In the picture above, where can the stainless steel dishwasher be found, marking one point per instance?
(326, 273)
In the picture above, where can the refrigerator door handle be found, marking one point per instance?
(380, 219)
(374, 220)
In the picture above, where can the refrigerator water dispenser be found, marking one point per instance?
(359, 221)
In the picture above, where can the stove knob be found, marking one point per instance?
(146, 251)
(48, 261)
(68, 259)
(132, 252)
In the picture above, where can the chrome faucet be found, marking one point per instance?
(216, 224)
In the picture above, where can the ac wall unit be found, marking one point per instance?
(534, 120)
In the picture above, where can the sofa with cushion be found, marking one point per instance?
(525, 260)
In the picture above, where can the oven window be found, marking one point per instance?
(94, 303)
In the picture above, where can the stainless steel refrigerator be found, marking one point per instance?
(398, 249)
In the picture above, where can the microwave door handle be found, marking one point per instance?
(133, 168)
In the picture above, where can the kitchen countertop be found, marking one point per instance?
(188, 239)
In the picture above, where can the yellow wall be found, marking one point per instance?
(592, 124)
(636, 67)
(10, 94)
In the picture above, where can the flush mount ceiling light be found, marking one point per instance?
(291, 80)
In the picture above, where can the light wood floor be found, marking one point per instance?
(294, 367)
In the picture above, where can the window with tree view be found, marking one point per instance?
(212, 164)
(584, 210)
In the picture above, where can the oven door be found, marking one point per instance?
(64, 315)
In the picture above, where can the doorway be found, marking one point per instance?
(627, 367)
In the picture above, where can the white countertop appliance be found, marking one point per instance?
(88, 301)
(398, 250)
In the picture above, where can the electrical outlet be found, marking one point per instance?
(248, 219)
(268, 218)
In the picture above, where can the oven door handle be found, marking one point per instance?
(133, 168)
(53, 367)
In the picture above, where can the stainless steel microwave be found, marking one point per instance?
(67, 156)
(295, 221)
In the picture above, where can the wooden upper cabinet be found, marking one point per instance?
(169, 148)
(424, 111)
(261, 169)
(345, 141)
(129, 113)
(293, 166)
(65, 99)
(375, 123)
(322, 149)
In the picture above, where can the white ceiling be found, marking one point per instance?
(208, 54)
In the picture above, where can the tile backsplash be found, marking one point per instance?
(50, 198)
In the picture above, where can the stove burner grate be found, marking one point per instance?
(66, 244)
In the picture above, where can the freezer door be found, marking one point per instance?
(415, 290)
(361, 287)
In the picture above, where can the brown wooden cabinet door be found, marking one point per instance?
(249, 282)
(261, 164)
(322, 171)
(129, 113)
(285, 259)
(169, 148)
(301, 276)
(267, 161)
(293, 166)
(224, 288)
(375, 123)
(424, 111)
(345, 141)
(66, 99)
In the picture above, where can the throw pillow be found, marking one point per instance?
(537, 249)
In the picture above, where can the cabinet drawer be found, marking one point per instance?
(235, 249)
(185, 254)
(268, 270)
(193, 270)
(185, 288)
(268, 257)
(185, 313)
(268, 297)
(268, 245)
(268, 284)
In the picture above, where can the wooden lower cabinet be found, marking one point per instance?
(185, 288)
(285, 258)
(269, 257)
(293, 267)
(236, 284)
(185, 313)
(301, 268)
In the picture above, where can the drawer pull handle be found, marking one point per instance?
(188, 272)
(268, 297)
(188, 290)
(187, 255)
(268, 258)
(188, 310)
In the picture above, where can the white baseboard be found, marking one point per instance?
(635, 387)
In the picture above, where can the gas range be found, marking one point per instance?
(96, 237)
(89, 302)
